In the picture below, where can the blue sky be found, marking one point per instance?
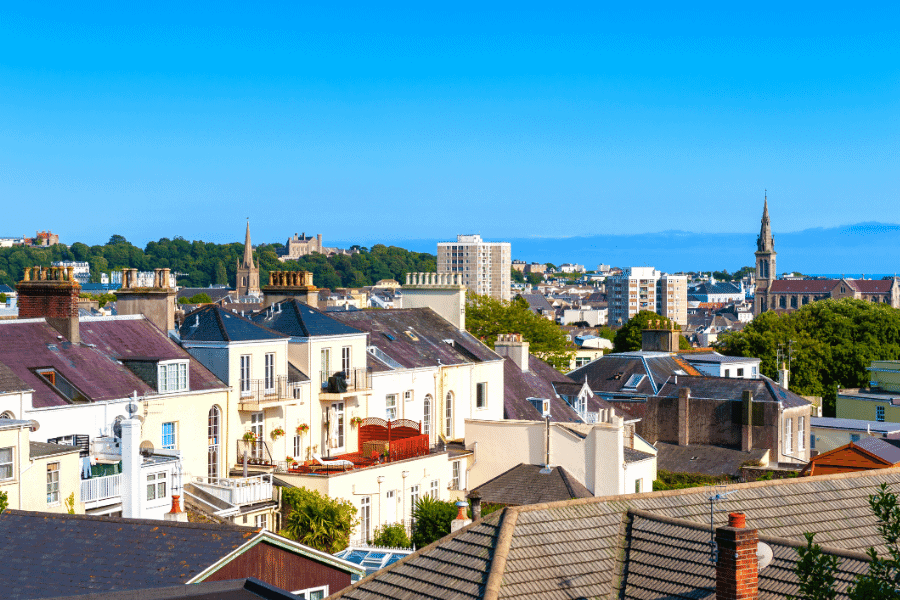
(380, 123)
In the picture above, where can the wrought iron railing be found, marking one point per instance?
(351, 380)
(272, 390)
(258, 452)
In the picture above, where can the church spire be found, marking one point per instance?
(248, 249)
(765, 242)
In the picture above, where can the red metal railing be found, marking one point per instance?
(408, 447)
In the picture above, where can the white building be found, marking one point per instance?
(81, 272)
(594, 317)
(718, 365)
(571, 268)
(645, 288)
(485, 266)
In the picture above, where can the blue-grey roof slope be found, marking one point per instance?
(296, 319)
(886, 450)
(854, 424)
(613, 373)
(212, 323)
(726, 388)
(538, 382)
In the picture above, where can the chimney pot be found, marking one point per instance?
(737, 520)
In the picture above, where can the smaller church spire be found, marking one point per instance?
(765, 242)
(248, 249)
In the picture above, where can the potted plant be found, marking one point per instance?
(277, 433)
(302, 428)
(249, 436)
(356, 421)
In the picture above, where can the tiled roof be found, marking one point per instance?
(48, 554)
(650, 546)
(416, 337)
(5, 289)
(525, 484)
(296, 319)
(886, 450)
(612, 372)
(10, 382)
(709, 460)
(727, 388)
(95, 366)
(212, 323)
(538, 382)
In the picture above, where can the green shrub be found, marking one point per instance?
(391, 536)
(432, 520)
(317, 520)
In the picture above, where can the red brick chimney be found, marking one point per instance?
(736, 569)
(51, 293)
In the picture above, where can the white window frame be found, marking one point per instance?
(245, 374)
(448, 416)
(10, 464)
(801, 434)
(454, 475)
(788, 436)
(270, 371)
(173, 444)
(481, 400)
(53, 484)
(427, 408)
(261, 521)
(365, 517)
(408, 396)
(156, 485)
(435, 489)
(172, 376)
(307, 593)
(390, 407)
(346, 355)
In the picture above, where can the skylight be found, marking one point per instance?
(634, 381)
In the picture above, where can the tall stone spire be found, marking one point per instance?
(248, 248)
(765, 242)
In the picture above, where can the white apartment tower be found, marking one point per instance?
(485, 266)
(645, 288)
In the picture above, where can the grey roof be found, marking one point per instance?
(538, 382)
(5, 289)
(418, 337)
(525, 484)
(87, 553)
(611, 373)
(871, 395)
(709, 460)
(651, 546)
(212, 323)
(886, 450)
(536, 302)
(215, 294)
(720, 287)
(716, 358)
(632, 455)
(41, 449)
(10, 382)
(854, 424)
(233, 589)
(296, 319)
(726, 388)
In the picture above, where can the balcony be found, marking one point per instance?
(337, 385)
(237, 491)
(256, 393)
(101, 491)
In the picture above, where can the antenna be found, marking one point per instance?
(720, 495)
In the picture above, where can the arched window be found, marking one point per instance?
(7, 415)
(426, 415)
(793, 301)
(782, 302)
(213, 424)
(448, 416)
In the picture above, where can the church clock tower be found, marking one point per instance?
(765, 263)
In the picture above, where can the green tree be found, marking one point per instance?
(3, 298)
(833, 341)
(317, 520)
(432, 520)
(486, 318)
(517, 276)
(391, 536)
(221, 274)
(4, 501)
(628, 337)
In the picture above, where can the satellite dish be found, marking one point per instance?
(34, 425)
(146, 448)
(117, 426)
(764, 556)
(132, 408)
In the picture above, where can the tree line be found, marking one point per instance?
(201, 264)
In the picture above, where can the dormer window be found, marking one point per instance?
(172, 376)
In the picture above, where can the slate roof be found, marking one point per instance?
(720, 287)
(296, 319)
(632, 455)
(651, 546)
(525, 484)
(5, 289)
(10, 382)
(212, 323)
(854, 424)
(415, 337)
(41, 449)
(94, 366)
(536, 302)
(216, 294)
(886, 450)
(538, 382)
(709, 460)
(612, 372)
(234, 589)
(716, 358)
(84, 553)
(727, 388)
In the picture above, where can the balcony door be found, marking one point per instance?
(258, 427)
(325, 366)
(212, 460)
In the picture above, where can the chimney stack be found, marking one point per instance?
(461, 519)
(511, 345)
(737, 569)
(51, 293)
(747, 421)
(131, 465)
(475, 499)
(684, 416)
(156, 303)
(176, 514)
(784, 376)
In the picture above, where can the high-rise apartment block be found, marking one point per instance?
(645, 288)
(485, 266)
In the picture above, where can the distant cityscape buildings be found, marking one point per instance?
(645, 288)
(485, 266)
(41, 238)
(301, 245)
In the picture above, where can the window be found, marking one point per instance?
(212, 450)
(435, 490)
(481, 395)
(6, 463)
(245, 375)
(879, 414)
(426, 416)
(261, 521)
(53, 483)
(801, 433)
(753, 372)
(365, 517)
(788, 436)
(172, 377)
(408, 396)
(448, 416)
(727, 373)
(325, 364)
(298, 445)
(156, 486)
(454, 475)
(390, 407)
(740, 372)
(270, 371)
(345, 359)
(580, 361)
(317, 593)
(168, 436)
(637, 486)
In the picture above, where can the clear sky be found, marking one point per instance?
(383, 122)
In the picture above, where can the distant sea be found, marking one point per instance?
(851, 249)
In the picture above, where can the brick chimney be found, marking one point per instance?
(747, 421)
(658, 339)
(684, 416)
(511, 345)
(737, 570)
(51, 293)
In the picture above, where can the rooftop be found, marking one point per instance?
(296, 319)
(525, 484)
(212, 323)
(854, 425)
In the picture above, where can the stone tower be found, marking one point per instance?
(765, 262)
(247, 278)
